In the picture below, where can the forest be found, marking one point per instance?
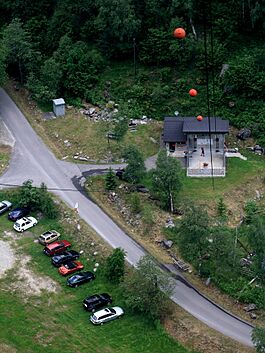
(124, 50)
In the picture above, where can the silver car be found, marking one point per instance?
(105, 315)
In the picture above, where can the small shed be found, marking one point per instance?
(59, 107)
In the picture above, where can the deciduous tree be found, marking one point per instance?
(147, 289)
(115, 266)
(135, 169)
(166, 179)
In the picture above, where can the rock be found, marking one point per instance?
(253, 316)
(243, 134)
(85, 159)
(208, 281)
(245, 262)
(250, 307)
(225, 67)
(258, 195)
(170, 223)
(67, 143)
(92, 110)
(167, 243)
(141, 188)
(65, 157)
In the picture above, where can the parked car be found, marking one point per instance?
(80, 278)
(25, 223)
(70, 267)
(18, 212)
(5, 206)
(64, 257)
(105, 315)
(96, 301)
(56, 247)
(48, 237)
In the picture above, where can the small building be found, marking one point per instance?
(201, 143)
(59, 107)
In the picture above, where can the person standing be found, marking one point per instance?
(202, 151)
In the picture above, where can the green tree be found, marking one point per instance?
(147, 289)
(135, 203)
(193, 233)
(120, 128)
(258, 339)
(256, 239)
(82, 67)
(251, 210)
(3, 65)
(29, 195)
(37, 199)
(135, 169)
(166, 179)
(110, 180)
(116, 24)
(115, 266)
(18, 48)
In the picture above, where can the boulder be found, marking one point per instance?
(250, 307)
(167, 243)
(243, 134)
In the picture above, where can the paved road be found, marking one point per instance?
(33, 160)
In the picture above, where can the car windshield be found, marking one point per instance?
(94, 317)
(76, 278)
(70, 265)
(2, 206)
(17, 224)
(112, 310)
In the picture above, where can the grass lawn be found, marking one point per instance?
(239, 172)
(86, 137)
(5, 152)
(56, 322)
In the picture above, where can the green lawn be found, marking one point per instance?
(56, 322)
(239, 172)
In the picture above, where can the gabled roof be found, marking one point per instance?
(216, 125)
(176, 128)
(173, 129)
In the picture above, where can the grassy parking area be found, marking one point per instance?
(54, 321)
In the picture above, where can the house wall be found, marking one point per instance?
(195, 141)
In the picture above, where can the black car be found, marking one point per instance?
(96, 301)
(80, 278)
(66, 256)
(18, 212)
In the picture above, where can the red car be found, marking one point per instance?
(56, 247)
(70, 267)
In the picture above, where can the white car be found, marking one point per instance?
(104, 315)
(25, 223)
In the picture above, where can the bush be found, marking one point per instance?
(37, 199)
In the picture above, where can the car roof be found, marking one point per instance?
(57, 243)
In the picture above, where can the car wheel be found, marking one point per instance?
(75, 286)
(101, 323)
(22, 230)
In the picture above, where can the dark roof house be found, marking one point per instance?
(177, 128)
(200, 142)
